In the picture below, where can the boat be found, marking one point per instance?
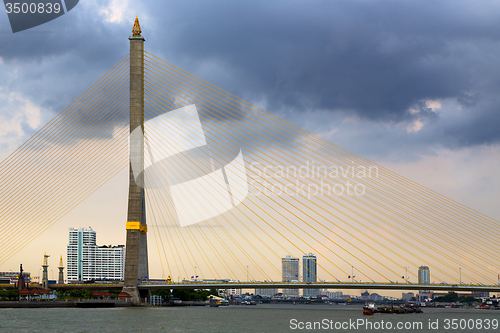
(398, 309)
(369, 309)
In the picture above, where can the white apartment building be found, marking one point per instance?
(87, 261)
(290, 273)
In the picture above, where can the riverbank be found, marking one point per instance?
(85, 304)
(62, 304)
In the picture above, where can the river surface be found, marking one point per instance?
(259, 318)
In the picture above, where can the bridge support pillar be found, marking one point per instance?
(136, 250)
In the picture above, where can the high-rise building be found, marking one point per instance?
(310, 273)
(335, 294)
(424, 275)
(87, 261)
(290, 268)
(290, 273)
(236, 292)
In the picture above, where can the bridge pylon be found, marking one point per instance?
(136, 250)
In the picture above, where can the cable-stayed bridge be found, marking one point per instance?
(224, 185)
(285, 285)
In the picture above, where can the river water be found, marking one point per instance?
(245, 318)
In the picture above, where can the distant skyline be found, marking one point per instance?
(408, 85)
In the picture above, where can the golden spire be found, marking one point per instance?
(45, 256)
(60, 262)
(136, 30)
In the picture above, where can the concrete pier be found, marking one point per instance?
(136, 250)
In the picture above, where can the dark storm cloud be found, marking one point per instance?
(54, 63)
(477, 127)
(376, 60)
(379, 60)
(82, 34)
(71, 46)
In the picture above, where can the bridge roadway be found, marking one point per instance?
(289, 285)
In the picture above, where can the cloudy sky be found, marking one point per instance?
(409, 85)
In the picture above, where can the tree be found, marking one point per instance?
(450, 297)
(87, 294)
(164, 293)
(467, 299)
(8, 295)
(77, 293)
(191, 294)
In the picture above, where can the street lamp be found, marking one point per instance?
(247, 273)
(406, 275)
(460, 274)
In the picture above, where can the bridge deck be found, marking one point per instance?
(288, 285)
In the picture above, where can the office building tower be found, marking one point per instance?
(424, 275)
(290, 273)
(310, 274)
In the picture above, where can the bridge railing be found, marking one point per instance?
(300, 284)
(229, 283)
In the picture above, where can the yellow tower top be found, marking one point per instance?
(60, 262)
(136, 30)
(45, 256)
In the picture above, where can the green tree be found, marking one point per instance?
(12, 295)
(164, 293)
(77, 293)
(87, 294)
(191, 294)
(114, 293)
(450, 297)
(8, 295)
(467, 299)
